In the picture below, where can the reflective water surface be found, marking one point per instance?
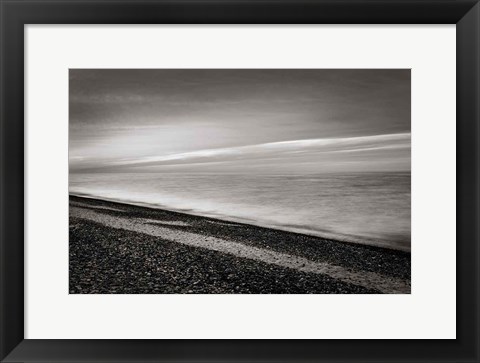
(371, 208)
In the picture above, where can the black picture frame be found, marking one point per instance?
(15, 14)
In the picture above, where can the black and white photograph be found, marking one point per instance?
(239, 181)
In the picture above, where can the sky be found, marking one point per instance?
(239, 121)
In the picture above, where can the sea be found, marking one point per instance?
(367, 208)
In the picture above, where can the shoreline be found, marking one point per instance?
(250, 222)
(122, 248)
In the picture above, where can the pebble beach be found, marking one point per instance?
(117, 248)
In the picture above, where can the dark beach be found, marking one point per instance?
(126, 249)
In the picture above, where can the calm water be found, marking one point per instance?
(372, 208)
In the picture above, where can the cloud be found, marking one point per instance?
(279, 150)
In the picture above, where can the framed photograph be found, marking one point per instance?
(240, 181)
